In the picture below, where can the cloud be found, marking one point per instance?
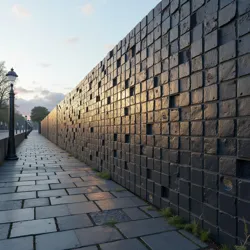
(44, 65)
(47, 99)
(21, 90)
(73, 40)
(87, 9)
(20, 11)
(109, 46)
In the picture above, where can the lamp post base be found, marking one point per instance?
(11, 158)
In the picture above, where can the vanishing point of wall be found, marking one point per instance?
(167, 112)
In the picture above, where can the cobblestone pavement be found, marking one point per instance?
(51, 201)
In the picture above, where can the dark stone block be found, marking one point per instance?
(197, 177)
(210, 214)
(211, 180)
(196, 4)
(196, 48)
(211, 197)
(227, 108)
(244, 148)
(243, 209)
(197, 193)
(211, 58)
(243, 127)
(227, 14)
(243, 7)
(227, 204)
(227, 146)
(243, 65)
(211, 40)
(227, 33)
(228, 166)
(227, 90)
(228, 223)
(243, 106)
(227, 51)
(244, 24)
(226, 128)
(211, 162)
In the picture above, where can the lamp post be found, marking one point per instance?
(11, 153)
(25, 127)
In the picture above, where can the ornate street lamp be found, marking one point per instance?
(11, 153)
(25, 127)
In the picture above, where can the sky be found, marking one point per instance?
(53, 44)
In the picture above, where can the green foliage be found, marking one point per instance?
(240, 247)
(104, 175)
(204, 235)
(243, 246)
(150, 208)
(166, 212)
(95, 169)
(111, 223)
(176, 221)
(38, 113)
(224, 247)
(120, 190)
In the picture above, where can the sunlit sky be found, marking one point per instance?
(53, 44)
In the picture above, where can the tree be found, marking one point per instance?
(38, 114)
(4, 87)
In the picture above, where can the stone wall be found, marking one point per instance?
(167, 113)
(4, 145)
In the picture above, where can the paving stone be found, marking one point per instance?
(10, 205)
(4, 230)
(135, 213)
(144, 227)
(16, 215)
(103, 217)
(89, 183)
(17, 196)
(36, 202)
(109, 186)
(116, 203)
(7, 190)
(32, 188)
(87, 248)
(73, 222)
(64, 185)
(67, 199)
(25, 243)
(43, 182)
(57, 241)
(82, 208)
(97, 235)
(83, 190)
(99, 196)
(19, 183)
(4, 179)
(193, 238)
(124, 245)
(25, 228)
(122, 194)
(34, 178)
(52, 193)
(173, 240)
(51, 211)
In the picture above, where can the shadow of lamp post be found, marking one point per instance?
(11, 153)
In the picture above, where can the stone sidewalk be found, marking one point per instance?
(51, 201)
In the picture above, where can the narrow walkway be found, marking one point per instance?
(51, 201)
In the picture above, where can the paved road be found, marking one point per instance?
(5, 134)
(51, 201)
